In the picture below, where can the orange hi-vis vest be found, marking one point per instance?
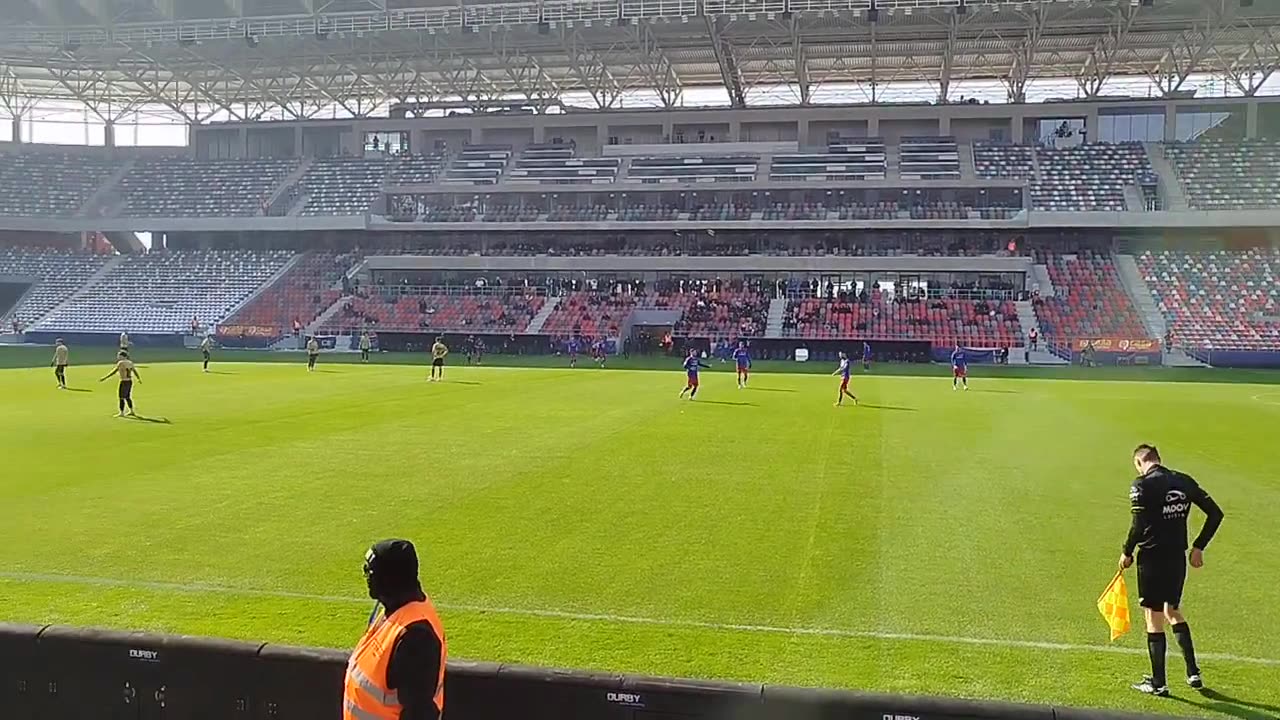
(365, 693)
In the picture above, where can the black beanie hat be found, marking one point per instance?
(394, 563)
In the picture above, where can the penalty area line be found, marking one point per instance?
(621, 619)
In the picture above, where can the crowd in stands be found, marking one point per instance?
(876, 315)
(432, 311)
(298, 297)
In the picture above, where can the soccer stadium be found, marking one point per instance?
(721, 359)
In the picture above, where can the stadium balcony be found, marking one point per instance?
(162, 292)
(422, 169)
(557, 164)
(301, 294)
(57, 275)
(1091, 301)
(48, 184)
(928, 158)
(201, 188)
(1090, 177)
(721, 211)
(449, 214)
(648, 213)
(1242, 175)
(879, 211)
(342, 186)
(510, 213)
(591, 314)
(795, 211)
(940, 322)
(595, 213)
(996, 161)
(845, 159)
(413, 310)
(1222, 300)
(696, 169)
(478, 165)
(940, 211)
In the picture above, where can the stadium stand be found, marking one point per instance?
(47, 184)
(1241, 175)
(942, 322)
(56, 274)
(179, 187)
(478, 165)
(1224, 300)
(696, 168)
(301, 293)
(1090, 302)
(420, 169)
(342, 186)
(1089, 177)
(589, 314)
(428, 310)
(163, 292)
(731, 312)
(845, 159)
(557, 164)
(928, 158)
(998, 161)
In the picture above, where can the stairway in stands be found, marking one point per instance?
(1027, 319)
(1131, 277)
(777, 313)
(535, 325)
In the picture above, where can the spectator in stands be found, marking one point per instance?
(397, 668)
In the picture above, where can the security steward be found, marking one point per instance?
(1160, 501)
(397, 670)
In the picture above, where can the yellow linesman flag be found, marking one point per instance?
(1114, 606)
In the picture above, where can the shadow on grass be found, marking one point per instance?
(1227, 705)
(998, 392)
(895, 408)
(71, 389)
(327, 372)
(760, 389)
(724, 402)
(221, 372)
(153, 420)
(462, 382)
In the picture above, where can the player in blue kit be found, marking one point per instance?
(959, 368)
(845, 369)
(574, 347)
(692, 364)
(742, 358)
(866, 356)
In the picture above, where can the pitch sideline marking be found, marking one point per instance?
(1262, 397)
(624, 619)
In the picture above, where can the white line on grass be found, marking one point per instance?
(1266, 398)
(620, 619)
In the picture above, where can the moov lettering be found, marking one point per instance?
(890, 716)
(144, 655)
(1175, 504)
(624, 698)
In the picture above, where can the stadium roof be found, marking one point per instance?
(250, 59)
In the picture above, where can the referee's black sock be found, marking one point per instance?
(1182, 632)
(1156, 648)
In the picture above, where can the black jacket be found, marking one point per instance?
(414, 667)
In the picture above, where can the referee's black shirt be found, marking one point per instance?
(1161, 501)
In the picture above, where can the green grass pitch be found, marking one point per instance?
(929, 541)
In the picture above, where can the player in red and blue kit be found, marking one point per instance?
(866, 356)
(845, 369)
(692, 364)
(959, 368)
(743, 360)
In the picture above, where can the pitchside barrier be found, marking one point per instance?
(59, 673)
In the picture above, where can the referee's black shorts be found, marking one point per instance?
(126, 389)
(1161, 575)
(437, 362)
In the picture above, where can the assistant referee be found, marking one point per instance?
(1160, 501)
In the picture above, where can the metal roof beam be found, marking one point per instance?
(730, 71)
(800, 57)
